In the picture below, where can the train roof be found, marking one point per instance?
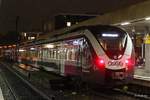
(100, 29)
(93, 28)
(96, 27)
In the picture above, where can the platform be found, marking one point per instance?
(141, 80)
(1, 95)
(141, 76)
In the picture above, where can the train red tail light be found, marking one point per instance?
(100, 62)
(129, 63)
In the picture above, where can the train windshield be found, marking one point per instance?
(113, 41)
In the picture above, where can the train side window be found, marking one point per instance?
(48, 54)
(55, 53)
(72, 49)
(44, 54)
(53, 50)
(22, 52)
(39, 53)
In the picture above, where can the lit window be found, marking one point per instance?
(68, 24)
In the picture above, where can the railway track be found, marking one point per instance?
(7, 92)
(137, 91)
(12, 93)
(134, 92)
(131, 92)
(19, 89)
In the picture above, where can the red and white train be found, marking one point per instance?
(97, 54)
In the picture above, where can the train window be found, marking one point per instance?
(44, 54)
(112, 43)
(72, 49)
(53, 50)
(54, 54)
(48, 53)
(64, 53)
(22, 52)
(51, 53)
(39, 54)
(33, 52)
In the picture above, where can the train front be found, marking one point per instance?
(116, 58)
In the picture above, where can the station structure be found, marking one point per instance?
(135, 19)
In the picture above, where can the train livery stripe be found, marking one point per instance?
(94, 43)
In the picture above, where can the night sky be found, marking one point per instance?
(32, 13)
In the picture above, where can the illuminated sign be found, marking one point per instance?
(110, 35)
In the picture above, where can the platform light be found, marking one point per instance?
(9, 46)
(148, 18)
(138, 33)
(32, 38)
(32, 48)
(29, 38)
(21, 50)
(110, 35)
(49, 46)
(68, 24)
(5, 46)
(125, 23)
(25, 34)
(14, 45)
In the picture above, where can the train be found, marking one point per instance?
(98, 54)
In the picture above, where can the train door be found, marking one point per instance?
(86, 57)
(61, 56)
(73, 56)
(52, 57)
